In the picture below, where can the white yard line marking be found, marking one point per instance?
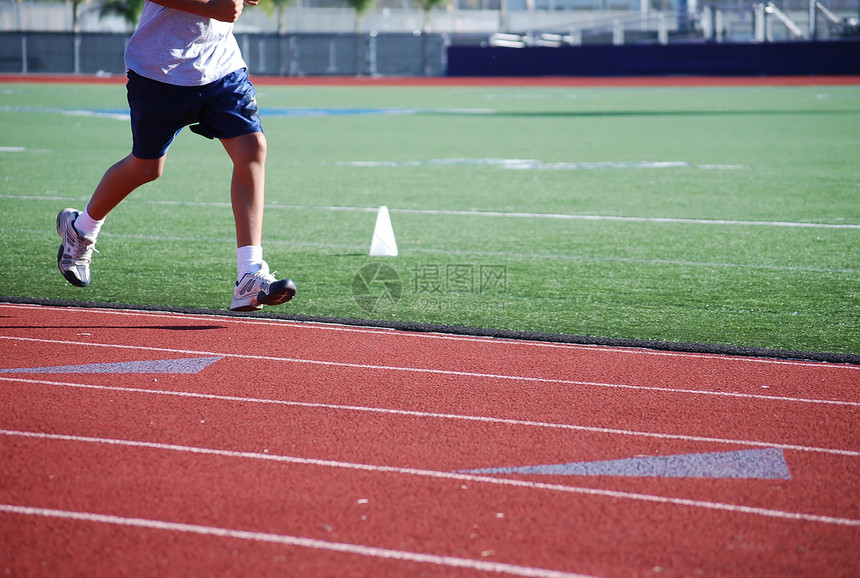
(472, 254)
(563, 216)
(443, 416)
(435, 474)
(447, 372)
(431, 335)
(286, 540)
(475, 213)
(519, 164)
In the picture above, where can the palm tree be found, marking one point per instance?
(428, 5)
(360, 6)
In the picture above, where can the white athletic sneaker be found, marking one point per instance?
(254, 290)
(75, 252)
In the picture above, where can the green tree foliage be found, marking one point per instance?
(128, 9)
(277, 7)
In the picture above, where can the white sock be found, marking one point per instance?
(87, 226)
(249, 259)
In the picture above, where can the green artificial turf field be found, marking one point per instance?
(704, 215)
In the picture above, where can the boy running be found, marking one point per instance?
(185, 68)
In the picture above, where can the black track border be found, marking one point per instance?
(730, 350)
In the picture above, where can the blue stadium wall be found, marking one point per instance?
(768, 59)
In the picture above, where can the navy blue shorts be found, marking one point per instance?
(226, 108)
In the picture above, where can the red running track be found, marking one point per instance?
(257, 447)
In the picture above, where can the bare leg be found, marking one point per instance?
(117, 183)
(120, 180)
(247, 189)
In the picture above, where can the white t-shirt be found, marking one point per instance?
(181, 48)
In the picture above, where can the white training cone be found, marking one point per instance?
(383, 243)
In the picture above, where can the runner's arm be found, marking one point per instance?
(223, 10)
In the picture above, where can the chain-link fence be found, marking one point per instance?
(266, 54)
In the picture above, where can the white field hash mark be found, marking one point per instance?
(475, 213)
(436, 474)
(286, 540)
(293, 244)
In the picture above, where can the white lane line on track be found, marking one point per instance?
(443, 416)
(446, 372)
(286, 540)
(436, 474)
(431, 335)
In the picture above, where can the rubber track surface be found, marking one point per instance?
(141, 443)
